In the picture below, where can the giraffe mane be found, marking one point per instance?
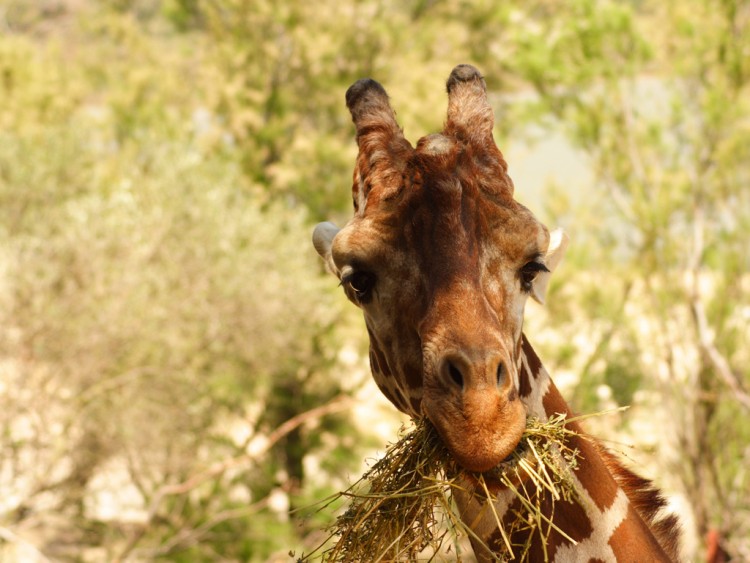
(648, 501)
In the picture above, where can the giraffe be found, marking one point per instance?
(441, 259)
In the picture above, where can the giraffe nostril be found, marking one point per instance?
(456, 375)
(500, 373)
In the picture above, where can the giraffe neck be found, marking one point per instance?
(614, 516)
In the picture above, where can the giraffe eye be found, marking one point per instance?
(529, 272)
(359, 285)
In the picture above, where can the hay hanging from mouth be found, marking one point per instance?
(401, 508)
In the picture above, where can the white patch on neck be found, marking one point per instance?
(604, 524)
(539, 387)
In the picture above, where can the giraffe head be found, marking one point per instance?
(441, 259)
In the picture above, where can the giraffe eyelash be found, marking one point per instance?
(529, 272)
(358, 285)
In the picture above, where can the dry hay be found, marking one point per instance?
(401, 508)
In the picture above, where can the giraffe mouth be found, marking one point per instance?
(543, 458)
(513, 470)
(479, 428)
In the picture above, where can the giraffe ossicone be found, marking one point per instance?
(441, 259)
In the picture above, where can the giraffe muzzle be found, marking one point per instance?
(472, 402)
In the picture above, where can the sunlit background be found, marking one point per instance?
(179, 379)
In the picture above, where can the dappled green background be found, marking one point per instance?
(163, 313)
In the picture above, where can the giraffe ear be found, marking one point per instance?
(323, 236)
(558, 242)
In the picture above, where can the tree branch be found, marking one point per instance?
(705, 336)
(339, 403)
(714, 356)
(11, 537)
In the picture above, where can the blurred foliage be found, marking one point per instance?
(161, 162)
(160, 302)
